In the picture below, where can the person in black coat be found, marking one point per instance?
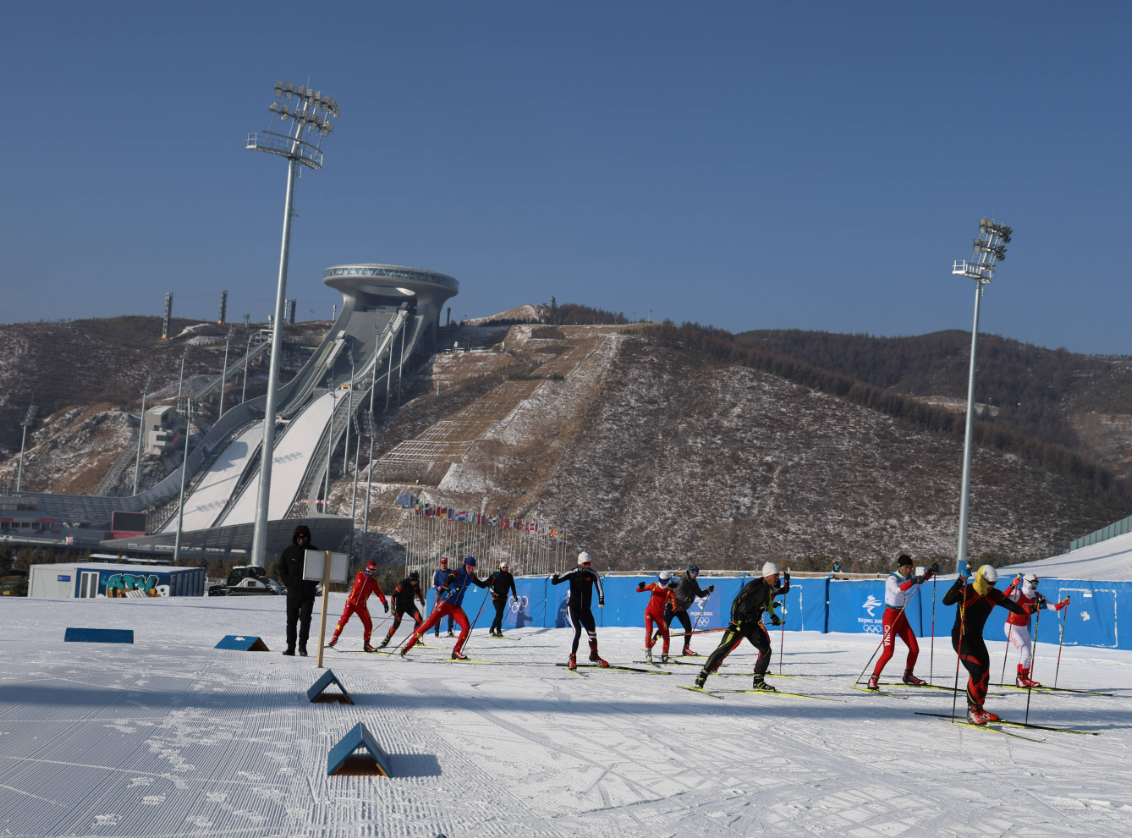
(500, 582)
(300, 592)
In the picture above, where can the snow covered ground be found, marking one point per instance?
(171, 737)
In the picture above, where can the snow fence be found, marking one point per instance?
(822, 604)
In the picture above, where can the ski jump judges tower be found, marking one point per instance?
(367, 287)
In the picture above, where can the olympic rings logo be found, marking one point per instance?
(519, 603)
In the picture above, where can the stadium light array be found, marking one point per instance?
(300, 120)
(989, 249)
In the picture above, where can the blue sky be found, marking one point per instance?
(748, 165)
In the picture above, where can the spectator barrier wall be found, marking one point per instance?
(824, 605)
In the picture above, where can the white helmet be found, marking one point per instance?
(584, 558)
(988, 573)
(769, 569)
(665, 576)
(503, 565)
(1031, 579)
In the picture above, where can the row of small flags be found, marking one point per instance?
(425, 510)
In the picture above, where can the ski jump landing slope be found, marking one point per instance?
(292, 451)
(170, 737)
(214, 489)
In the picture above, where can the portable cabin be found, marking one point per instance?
(87, 581)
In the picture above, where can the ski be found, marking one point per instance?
(788, 695)
(990, 728)
(879, 692)
(1055, 690)
(467, 660)
(1009, 723)
(503, 637)
(924, 687)
(615, 668)
(700, 690)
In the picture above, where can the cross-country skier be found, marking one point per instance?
(686, 592)
(747, 610)
(1024, 591)
(662, 598)
(977, 596)
(583, 579)
(364, 584)
(898, 589)
(449, 599)
(500, 581)
(437, 583)
(405, 597)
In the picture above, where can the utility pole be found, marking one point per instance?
(294, 143)
(184, 472)
(181, 380)
(349, 416)
(29, 420)
(244, 391)
(401, 363)
(224, 374)
(141, 434)
(990, 248)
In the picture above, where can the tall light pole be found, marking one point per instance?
(184, 472)
(349, 413)
(141, 433)
(29, 420)
(181, 379)
(244, 391)
(300, 143)
(990, 248)
(224, 374)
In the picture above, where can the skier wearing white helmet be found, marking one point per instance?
(747, 610)
(662, 597)
(583, 579)
(1024, 591)
(977, 596)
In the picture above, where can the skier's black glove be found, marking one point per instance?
(774, 620)
(935, 568)
(386, 604)
(710, 588)
(921, 580)
(1033, 608)
(554, 578)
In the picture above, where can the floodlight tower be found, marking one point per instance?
(300, 143)
(29, 420)
(990, 248)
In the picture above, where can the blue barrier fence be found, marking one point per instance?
(824, 605)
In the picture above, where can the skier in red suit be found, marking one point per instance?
(662, 596)
(364, 585)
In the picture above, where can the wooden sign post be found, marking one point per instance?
(325, 567)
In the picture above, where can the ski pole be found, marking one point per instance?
(477, 619)
(1033, 661)
(1060, 642)
(1005, 657)
(931, 660)
(782, 637)
(879, 645)
(959, 650)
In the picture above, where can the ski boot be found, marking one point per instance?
(874, 683)
(978, 716)
(761, 685)
(458, 656)
(573, 662)
(404, 652)
(1024, 679)
(384, 642)
(648, 655)
(333, 641)
(369, 648)
(688, 653)
(450, 633)
(911, 680)
(664, 658)
(595, 657)
(701, 679)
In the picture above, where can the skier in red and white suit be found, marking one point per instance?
(898, 589)
(1024, 591)
(662, 596)
(364, 585)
